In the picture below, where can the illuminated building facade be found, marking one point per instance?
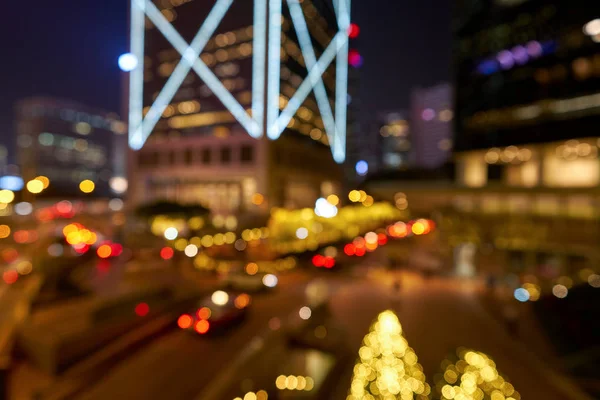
(199, 151)
(528, 94)
(68, 143)
(526, 143)
(431, 125)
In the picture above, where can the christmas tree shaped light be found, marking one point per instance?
(473, 376)
(387, 368)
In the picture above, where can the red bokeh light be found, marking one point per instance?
(21, 236)
(142, 309)
(202, 326)
(354, 58)
(350, 249)
(10, 276)
(116, 249)
(64, 207)
(353, 31)
(166, 253)
(10, 255)
(318, 260)
(81, 248)
(381, 239)
(329, 262)
(360, 252)
(184, 321)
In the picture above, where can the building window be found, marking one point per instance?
(247, 154)
(189, 157)
(225, 155)
(206, 154)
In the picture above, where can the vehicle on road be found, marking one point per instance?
(216, 313)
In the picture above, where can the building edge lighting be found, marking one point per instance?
(274, 73)
(136, 77)
(311, 61)
(266, 65)
(259, 44)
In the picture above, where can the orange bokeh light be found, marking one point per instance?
(202, 326)
(242, 301)
(204, 313)
(104, 251)
(184, 321)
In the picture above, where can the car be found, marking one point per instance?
(249, 282)
(216, 313)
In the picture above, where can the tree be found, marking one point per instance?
(387, 367)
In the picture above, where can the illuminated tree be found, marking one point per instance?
(387, 368)
(473, 376)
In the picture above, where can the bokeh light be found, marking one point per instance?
(87, 186)
(34, 186)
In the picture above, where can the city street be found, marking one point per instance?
(438, 315)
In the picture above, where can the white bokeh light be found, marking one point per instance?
(128, 62)
(118, 184)
(302, 233)
(171, 233)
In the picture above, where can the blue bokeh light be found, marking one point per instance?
(128, 62)
(522, 295)
(10, 182)
(362, 167)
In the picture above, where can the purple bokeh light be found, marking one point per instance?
(428, 114)
(519, 53)
(505, 58)
(534, 49)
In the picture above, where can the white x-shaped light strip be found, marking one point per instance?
(276, 123)
(140, 127)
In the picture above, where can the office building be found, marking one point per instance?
(526, 143)
(431, 125)
(394, 137)
(198, 153)
(66, 142)
(528, 94)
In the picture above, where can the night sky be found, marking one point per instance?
(69, 49)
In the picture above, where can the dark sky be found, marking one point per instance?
(69, 49)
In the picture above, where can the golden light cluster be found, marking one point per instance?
(38, 184)
(360, 196)
(351, 221)
(205, 262)
(474, 377)
(293, 382)
(387, 367)
(77, 235)
(260, 395)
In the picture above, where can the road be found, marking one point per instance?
(180, 364)
(438, 315)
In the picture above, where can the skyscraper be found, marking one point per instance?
(198, 152)
(66, 142)
(431, 126)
